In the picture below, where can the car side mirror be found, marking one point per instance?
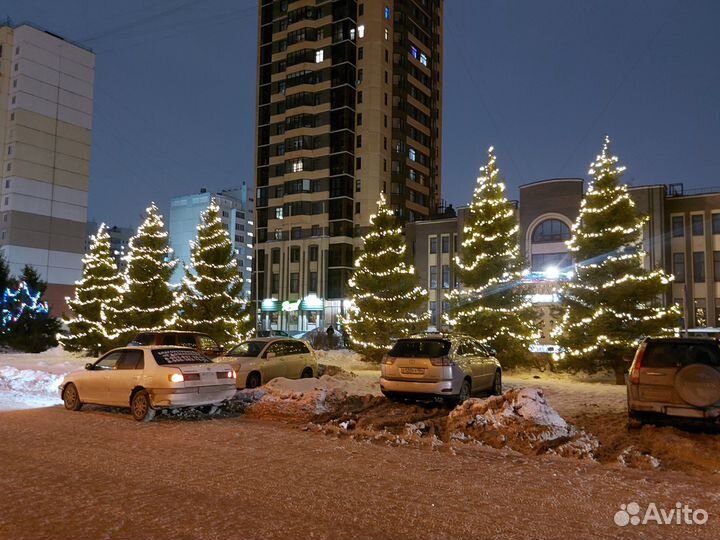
(89, 366)
(492, 352)
(269, 355)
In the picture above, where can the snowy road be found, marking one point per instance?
(99, 474)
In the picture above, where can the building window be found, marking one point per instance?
(315, 230)
(716, 265)
(361, 31)
(279, 212)
(679, 267)
(359, 96)
(296, 233)
(433, 312)
(433, 277)
(295, 254)
(278, 234)
(319, 56)
(716, 223)
(700, 312)
(387, 13)
(445, 243)
(275, 256)
(697, 225)
(358, 141)
(359, 119)
(361, 53)
(699, 266)
(445, 276)
(411, 154)
(275, 284)
(358, 163)
(423, 60)
(387, 36)
(294, 282)
(678, 227)
(313, 253)
(312, 282)
(358, 185)
(433, 244)
(357, 207)
(361, 9)
(551, 230)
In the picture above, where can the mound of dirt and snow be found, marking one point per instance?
(522, 420)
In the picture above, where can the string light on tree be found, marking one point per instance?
(614, 301)
(211, 298)
(147, 303)
(100, 286)
(386, 300)
(492, 305)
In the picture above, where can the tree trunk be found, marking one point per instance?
(619, 366)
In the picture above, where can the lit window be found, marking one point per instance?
(319, 56)
(387, 13)
(387, 34)
(414, 51)
(361, 31)
(423, 59)
(279, 213)
(412, 154)
(297, 165)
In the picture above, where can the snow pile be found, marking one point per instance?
(522, 420)
(345, 359)
(305, 399)
(632, 457)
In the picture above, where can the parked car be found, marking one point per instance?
(194, 340)
(148, 378)
(675, 377)
(260, 360)
(451, 366)
(271, 333)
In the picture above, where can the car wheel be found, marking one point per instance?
(140, 406)
(496, 389)
(462, 396)
(307, 373)
(71, 398)
(253, 380)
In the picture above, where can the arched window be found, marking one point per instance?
(550, 230)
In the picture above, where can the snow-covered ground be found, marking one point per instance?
(540, 413)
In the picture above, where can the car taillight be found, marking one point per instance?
(388, 360)
(441, 361)
(176, 377)
(637, 364)
(230, 374)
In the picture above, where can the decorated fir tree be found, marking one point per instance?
(147, 303)
(211, 294)
(26, 321)
(613, 302)
(100, 286)
(492, 305)
(384, 288)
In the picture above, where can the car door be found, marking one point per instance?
(295, 360)
(304, 358)
(274, 360)
(466, 360)
(93, 387)
(124, 377)
(487, 366)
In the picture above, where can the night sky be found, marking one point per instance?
(542, 81)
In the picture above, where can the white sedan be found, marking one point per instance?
(149, 378)
(260, 360)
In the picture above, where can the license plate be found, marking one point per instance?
(412, 371)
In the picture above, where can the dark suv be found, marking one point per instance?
(194, 340)
(677, 377)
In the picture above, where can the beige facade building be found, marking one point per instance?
(349, 106)
(46, 101)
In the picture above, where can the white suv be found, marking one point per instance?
(452, 366)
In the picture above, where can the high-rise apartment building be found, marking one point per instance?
(46, 105)
(236, 214)
(349, 101)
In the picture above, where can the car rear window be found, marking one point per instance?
(143, 339)
(669, 354)
(179, 356)
(420, 348)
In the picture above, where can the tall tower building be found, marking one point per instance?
(46, 102)
(348, 106)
